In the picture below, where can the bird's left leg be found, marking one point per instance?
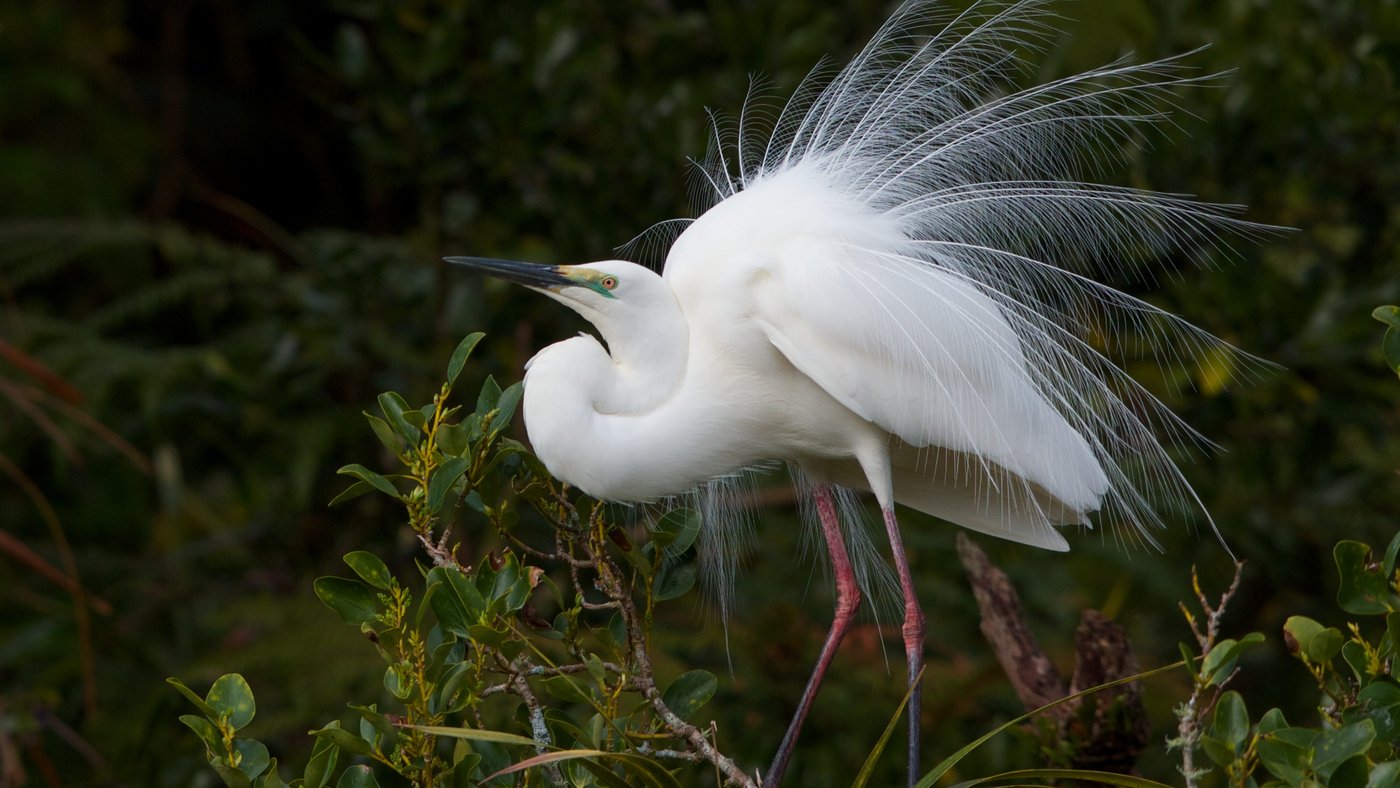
(913, 638)
(848, 600)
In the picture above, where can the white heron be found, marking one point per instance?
(893, 289)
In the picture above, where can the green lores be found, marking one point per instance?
(597, 281)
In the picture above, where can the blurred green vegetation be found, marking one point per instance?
(220, 232)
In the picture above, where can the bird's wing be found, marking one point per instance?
(928, 357)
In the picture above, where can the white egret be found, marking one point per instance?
(893, 290)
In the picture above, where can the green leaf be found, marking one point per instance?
(1355, 657)
(385, 433)
(647, 772)
(488, 636)
(465, 767)
(1271, 721)
(461, 677)
(689, 692)
(270, 778)
(344, 739)
(1390, 348)
(442, 480)
(1390, 315)
(1338, 745)
(1220, 662)
(489, 396)
(1217, 750)
(1365, 585)
(205, 730)
(253, 756)
(232, 776)
(358, 776)
(1350, 774)
(506, 404)
(350, 599)
(389, 735)
(674, 580)
(676, 530)
(1284, 757)
(456, 602)
(370, 569)
(475, 734)
(1231, 723)
(1307, 638)
(231, 696)
(460, 355)
(395, 408)
(396, 685)
(366, 475)
(509, 585)
(1384, 775)
(1391, 552)
(1380, 702)
(204, 708)
(453, 440)
(353, 491)
(324, 754)
(1392, 628)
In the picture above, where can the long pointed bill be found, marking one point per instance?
(528, 274)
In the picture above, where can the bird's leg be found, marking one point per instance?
(847, 601)
(913, 640)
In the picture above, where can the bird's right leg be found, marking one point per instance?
(847, 602)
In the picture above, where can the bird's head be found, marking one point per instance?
(621, 299)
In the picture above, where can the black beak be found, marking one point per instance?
(528, 274)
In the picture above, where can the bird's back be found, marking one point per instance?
(811, 289)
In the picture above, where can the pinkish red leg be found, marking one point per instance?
(847, 601)
(913, 640)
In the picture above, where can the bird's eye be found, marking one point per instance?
(609, 282)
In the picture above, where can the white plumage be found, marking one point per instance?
(894, 288)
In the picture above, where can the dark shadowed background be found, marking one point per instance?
(220, 232)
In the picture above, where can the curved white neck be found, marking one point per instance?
(649, 349)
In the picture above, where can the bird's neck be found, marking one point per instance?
(591, 412)
(648, 362)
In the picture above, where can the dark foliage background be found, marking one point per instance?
(220, 227)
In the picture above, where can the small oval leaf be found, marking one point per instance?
(232, 696)
(460, 355)
(204, 708)
(205, 730)
(1390, 315)
(353, 491)
(324, 754)
(370, 569)
(351, 600)
(505, 406)
(688, 693)
(358, 776)
(443, 479)
(394, 408)
(385, 433)
(675, 580)
(343, 739)
(366, 475)
(454, 599)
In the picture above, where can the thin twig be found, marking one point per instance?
(1191, 714)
